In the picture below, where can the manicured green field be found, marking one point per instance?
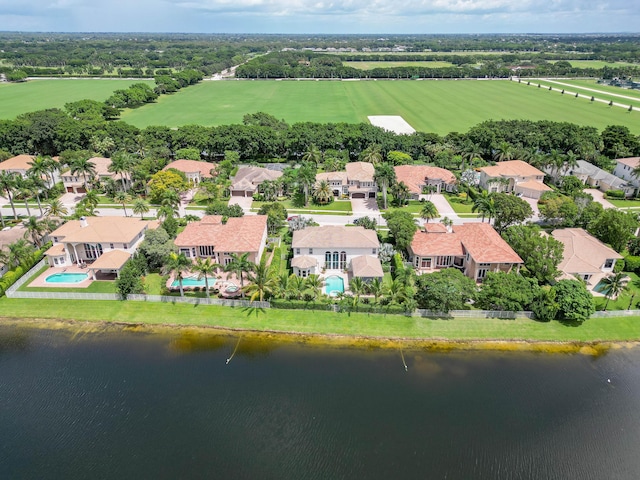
(372, 65)
(18, 98)
(598, 64)
(440, 106)
(587, 87)
(322, 322)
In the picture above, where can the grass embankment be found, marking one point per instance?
(322, 322)
(452, 105)
(19, 98)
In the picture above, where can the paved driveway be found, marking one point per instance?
(244, 202)
(365, 207)
(598, 196)
(444, 209)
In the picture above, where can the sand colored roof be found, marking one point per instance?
(366, 266)
(19, 162)
(111, 260)
(304, 261)
(415, 176)
(101, 230)
(238, 235)
(360, 171)
(56, 250)
(252, 176)
(480, 240)
(512, 168)
(193, 166)
(583, 253)
(335, 236)
(332, 176)
(633, 162)
(533, 185)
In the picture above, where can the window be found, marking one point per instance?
(482, 272)
(343, 260)
(111, 246)
(206, 251)
(186, 252)
(608, 263)
(444, 261)
(311, 251)
(297, 251)
(425, 263)
(373, 251)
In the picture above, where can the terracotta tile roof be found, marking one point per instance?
(413, 176)
(533, 185)
(101, 229)
(435, 228)
(238, 235)
(192, 166)
(480, 240)
(335, 236)
(583, 253)
(360, 171)
(304, 261)
(512, 168)
(19, 162)
(253, 176)
(633, 162)
(366, 266)
(111, 260)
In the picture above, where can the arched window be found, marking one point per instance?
(327, 260)
(343, 260)
(336, 259)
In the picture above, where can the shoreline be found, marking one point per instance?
(322, 340)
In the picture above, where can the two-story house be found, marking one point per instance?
(20, 164)
(625, 168)
(421, 178)
(75, 182)
(595, 177)
(473, 248)
(194, 170)
(357, 181)
(513, 176)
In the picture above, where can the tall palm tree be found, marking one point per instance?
(401, 193)
(121, 163)
(205, 268)
(8, 184)
(240, 264)
(262, 284)
(306, 177)
(372, 154)
(56, 208)
(91, 199)
(140, 206)
(41, 166)
(36, 230)
(376, 288)
(485, 205)
(171, 199)
(83, 166)
(313, 154)
(503, 152)
(122, 198)
(314, 283)
(614, 285)
(16, 253)
(385, 176)
(37, 186)
(429, 211)
(322, 192)
(295, 285)
(24, 190)
(357, 287)
(471, 152)
(176, 263)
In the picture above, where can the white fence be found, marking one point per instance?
(616, 313)
(473, 314)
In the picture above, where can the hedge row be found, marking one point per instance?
(13, 275)
(276, 260)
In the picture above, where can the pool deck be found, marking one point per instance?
(223, 280)
(335, 273)
(40, 279)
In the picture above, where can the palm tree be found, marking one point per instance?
(314, 283)
(171, 199)
(306, 177)
(40, 166)
(8, 184)
(16, 253)
(121, 163)
(313, 155)
(357, 287)
(295, 285)
(471, 152)
(205, 267)
(282, 284)
(83, 166)
(239, 265)
(484, 204)
(396, 291)
(385, 176)
(36, 230)
(23, 189)
(429, 211)
(401, 193)
(262, 284)
(123, 198)
(322, 192)
(375, 288)
(503, 152)
(56, 208)
(614, 285)
(140, 206)
(372, 154)
(176, 263)
(91, 199)
(37, 185)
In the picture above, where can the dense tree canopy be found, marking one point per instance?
(445, 290)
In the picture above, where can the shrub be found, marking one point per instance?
(396, 265)
(300, 304)
(631, 263)
(615, 194)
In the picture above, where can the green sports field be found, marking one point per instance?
(587, 87)
(439, 106)
(374, 64)
(19, 98)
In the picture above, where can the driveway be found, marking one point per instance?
(444, 209)
(598, 196)
(533, 202)
(365, 207)
(244, 202)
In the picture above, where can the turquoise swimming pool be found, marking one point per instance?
(333, 285)
(66, 278)
(194, 282)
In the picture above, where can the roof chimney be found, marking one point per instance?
(83, 222)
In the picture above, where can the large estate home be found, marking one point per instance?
(247, 180)
(21, 164)
(585, 257)
(215, 239)
(422, 178)
(625, 168)
(194, 170)
(357, 181)
(513, 176)
(321, 249)
(75, 182)
(473, 248)
(601, 179)
(104, 244)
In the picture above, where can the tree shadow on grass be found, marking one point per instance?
(253, 310)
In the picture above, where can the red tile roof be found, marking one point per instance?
(238, 235)
(192, 166)
(413, 176)
(512, 168)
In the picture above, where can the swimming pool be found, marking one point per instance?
(66, 278)
(333, 285)
(194, 282)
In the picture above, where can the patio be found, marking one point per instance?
(40, 280)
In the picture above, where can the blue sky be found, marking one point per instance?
(321, 16)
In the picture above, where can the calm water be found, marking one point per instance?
(117, 405)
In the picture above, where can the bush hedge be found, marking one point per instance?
(13, 275)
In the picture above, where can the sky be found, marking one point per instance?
(322, 16)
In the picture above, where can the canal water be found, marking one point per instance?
(134, 405)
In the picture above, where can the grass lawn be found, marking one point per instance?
(597, 64)
(323, 322)
(462, 208)
(624, 203)
(632, 295)
(383, 64)
(452, 105)
(18, 98)
(336, 207)
(581, 87)
(95, 287)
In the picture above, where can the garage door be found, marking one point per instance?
(237, 193)
(358, 195)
